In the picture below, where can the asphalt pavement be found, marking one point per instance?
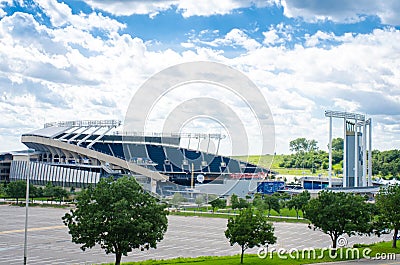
(50, 243)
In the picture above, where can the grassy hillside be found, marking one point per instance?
(273, 161)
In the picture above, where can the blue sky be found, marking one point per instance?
(85, 59)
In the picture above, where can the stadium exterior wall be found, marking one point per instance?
(42, 173)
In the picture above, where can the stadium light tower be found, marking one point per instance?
(356, 171)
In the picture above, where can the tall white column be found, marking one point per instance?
(345, 154)
(330, 152)
(356, 154)
(370, 153)
(364, 148)
(153, 184)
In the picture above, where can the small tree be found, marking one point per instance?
(271, 202)
(249, 230)
(299, 202)
(48, 190)
(177, 199)
(234, 201)
(243, 203)
(217, 203)
(388, 204)
(339, 213)
(258, 202)
(59, 193)
(2, 189)
(16, 189)
(119, 216)
(199, 200)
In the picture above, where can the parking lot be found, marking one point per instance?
(50, 243)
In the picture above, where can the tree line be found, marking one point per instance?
(307, 155)
(17, 190)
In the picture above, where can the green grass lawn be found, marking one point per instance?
(226, 216)
(272, 161)
(264, 160)
(382, 247)
(285, 212)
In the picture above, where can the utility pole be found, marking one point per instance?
(28, 171)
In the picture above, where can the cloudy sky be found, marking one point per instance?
(85, 59)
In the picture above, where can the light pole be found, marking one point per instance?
(26, 208)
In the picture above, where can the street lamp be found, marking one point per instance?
(26, 208)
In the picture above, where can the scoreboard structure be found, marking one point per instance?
(357, 154)
(270, 187)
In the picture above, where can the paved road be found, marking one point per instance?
(50, 243)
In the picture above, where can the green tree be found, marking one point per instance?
(298, 202)
(2, 189)
(59, 193)
(48, 190)
(217, 203)
(249, 229)
(337, 144)
(177, 199)
(386, 163)
(302, 145)
(258, 202)
(387, 202)
(234, 201)
(119, 216)
(338, 213)
(55, 192)
(271, 202)
(242, 204)
(199, 200)
(16, 189)
(238, 203)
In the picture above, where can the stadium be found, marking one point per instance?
(79, 153)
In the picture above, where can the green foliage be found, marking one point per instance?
(274, 202)
(17, 190)
(299, 202)
(242, 204)
(217, 203)
(249, 229)
(386, 163)
(238, 203)
(388, 206)
(55, 192)
(338, 213)
(302, 145)
(312, 160)
(271, 202)
(177, 199)
(234, 201)
(3, 187)
(119, 216)
(258, 201)
(199, 200)
(337, 145)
